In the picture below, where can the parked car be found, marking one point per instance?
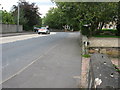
(44, 30)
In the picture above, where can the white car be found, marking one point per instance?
(43, 30)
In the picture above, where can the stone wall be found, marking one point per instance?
(110, 51)
(102, 73)
(108, 46)
(10, 28)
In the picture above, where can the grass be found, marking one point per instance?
(116, 68)
(86, 55)
(107, 36)
(109, 29)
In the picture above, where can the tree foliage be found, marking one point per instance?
(78, 14)
(54, 18)
(7, 17)
(29, 15)
(118, 20)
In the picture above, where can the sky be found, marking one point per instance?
(44, 5)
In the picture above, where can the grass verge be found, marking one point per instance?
(86, 55)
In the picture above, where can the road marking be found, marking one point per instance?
(28, 65)
(21, 69)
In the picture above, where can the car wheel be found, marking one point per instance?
(38, 33)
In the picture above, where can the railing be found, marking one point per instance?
(102, 73)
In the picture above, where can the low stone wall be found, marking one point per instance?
(10, 28)
(102, 73)
(110, 51)
(98, 71)
(108, 46)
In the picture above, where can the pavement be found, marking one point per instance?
(44, 61)
(27, 36)
(84, 72)
(15, 34)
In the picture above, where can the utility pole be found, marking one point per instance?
(18, 17)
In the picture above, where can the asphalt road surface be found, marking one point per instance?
(44, 61)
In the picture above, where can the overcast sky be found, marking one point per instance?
(44, 5)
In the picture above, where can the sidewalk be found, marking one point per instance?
(84, 72)
(85, 67)
(15, 34)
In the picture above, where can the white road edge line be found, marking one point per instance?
(21, 70)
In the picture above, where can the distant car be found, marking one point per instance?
(44, 30)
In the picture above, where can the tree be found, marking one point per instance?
(94, 14)
(54, 18)
(22, 19)
(29, 15)
(7, 17)
(0, 16)
(118, 20)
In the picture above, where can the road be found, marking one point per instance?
(44, 61)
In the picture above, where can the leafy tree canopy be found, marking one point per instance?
(7, 17)
(78, 14)
(29, 15)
